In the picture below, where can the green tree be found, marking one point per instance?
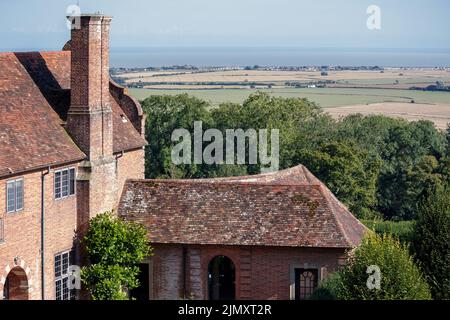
(114, 248)
(164, 115)
(423, 179)
(349, 172)
(447, 137)
(400, 278)
(431, 243)
(301, 123)
(444, 170)
(401, 230)
(368, 132)
(405, 149)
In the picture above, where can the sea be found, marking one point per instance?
(277, 56)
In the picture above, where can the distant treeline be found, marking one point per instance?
(195, 83)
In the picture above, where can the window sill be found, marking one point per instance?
(66, 197)
(14, 212)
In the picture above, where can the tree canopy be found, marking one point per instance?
(431, 243)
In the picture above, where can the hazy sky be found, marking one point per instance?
(41, 24)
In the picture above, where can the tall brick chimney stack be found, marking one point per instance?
(89, 120)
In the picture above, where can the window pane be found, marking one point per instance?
(65, 263)
(57, 185)
(72, 181)
(58, 290)
(19, 194)
(57, 266)
(65, 183)
(10, 202)
(65, 294)
(62, 263)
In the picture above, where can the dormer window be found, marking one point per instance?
(64, 183)
(14, 195)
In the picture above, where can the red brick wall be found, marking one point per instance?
(167, 280)
(23, 234)
(261, 272)
(130, 166)
(97, 191)
(270, 268)
(22, 229)
(60, 226)
(103, 189)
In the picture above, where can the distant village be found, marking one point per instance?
(196, 69)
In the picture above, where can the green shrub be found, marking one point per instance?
(107, 282)
(328, 288)
(400, 277)
(431, 243)
(114, 247)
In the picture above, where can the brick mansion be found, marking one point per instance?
(72, 146)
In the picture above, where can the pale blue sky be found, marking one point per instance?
(40, 24)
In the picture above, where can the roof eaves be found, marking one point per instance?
(43, 166)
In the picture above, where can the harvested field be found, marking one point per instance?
(389, 77)
(437, 113)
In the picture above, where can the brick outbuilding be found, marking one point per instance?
(269, 236)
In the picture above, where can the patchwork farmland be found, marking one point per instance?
(345, 92)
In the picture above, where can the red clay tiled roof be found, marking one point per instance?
(30, 132)
(34, 100)
(289, 208)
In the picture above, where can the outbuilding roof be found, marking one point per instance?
(289, 208)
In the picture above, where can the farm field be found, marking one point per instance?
(437, 113)
(391, 77)
(434, 106)
(326, 97)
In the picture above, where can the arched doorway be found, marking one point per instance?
(16, 285)
(221, 279)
